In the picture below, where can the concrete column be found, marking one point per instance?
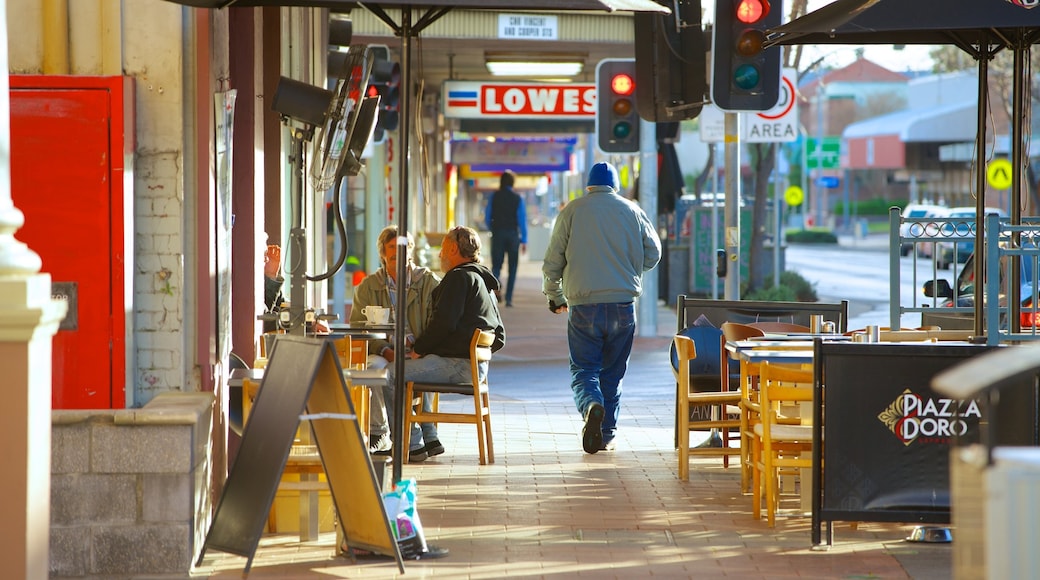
(29, 318)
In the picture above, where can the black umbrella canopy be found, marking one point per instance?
(554, 5)
(978, 27)
(961, 23)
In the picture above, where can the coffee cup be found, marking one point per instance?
(376, 314)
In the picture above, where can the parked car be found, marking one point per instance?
(914, 223)
(965, 294)
(958, 237)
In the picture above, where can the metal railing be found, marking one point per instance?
(1011, 251)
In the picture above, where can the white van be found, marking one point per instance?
(915, 223)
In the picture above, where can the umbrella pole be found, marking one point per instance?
(401, 439)
(980, 184)
(1020, 96)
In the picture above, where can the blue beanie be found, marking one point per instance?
(604, 174)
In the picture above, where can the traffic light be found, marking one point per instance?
(670, 66)
(617, 124)
(744, 75)
(385, 82)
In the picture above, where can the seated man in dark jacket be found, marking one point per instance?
(462, 303)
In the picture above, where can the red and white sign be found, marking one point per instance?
(468, 100)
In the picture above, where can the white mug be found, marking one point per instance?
(376, 314)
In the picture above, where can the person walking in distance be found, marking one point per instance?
(506, 217)
(600, 247)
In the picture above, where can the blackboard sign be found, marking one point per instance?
(882, 436)
(302, 375)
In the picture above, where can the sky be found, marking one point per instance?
(911, 57)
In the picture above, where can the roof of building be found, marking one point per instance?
(860, 71)
(942, 123)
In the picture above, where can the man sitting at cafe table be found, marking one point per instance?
(380, 289)
(462, 303)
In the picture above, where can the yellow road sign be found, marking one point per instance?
(794, 196)
(998, 173)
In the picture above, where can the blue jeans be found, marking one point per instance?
(503, 243)
(430, 368)
(600, 339)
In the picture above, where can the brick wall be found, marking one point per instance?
(128, 488)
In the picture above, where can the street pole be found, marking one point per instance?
(819, 198)
(647, 315)
(714, 215)
(732, 211)
(779, 185)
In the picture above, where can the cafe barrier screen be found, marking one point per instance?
(886, 435)
(303, 374)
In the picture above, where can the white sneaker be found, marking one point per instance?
(381, 444)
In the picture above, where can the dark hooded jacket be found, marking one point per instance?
(462, 303)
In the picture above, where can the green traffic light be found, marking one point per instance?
(622, 130)
(746, 76)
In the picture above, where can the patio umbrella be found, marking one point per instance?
(982, 28)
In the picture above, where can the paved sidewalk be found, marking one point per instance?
(545, 509)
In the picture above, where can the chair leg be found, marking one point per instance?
(409, 396)
(756, 479)
(487, 428)
(481, 443)
(684, 439)
(771, 477)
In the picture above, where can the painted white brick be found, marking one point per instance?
(163, 359)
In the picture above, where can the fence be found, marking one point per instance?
(1009, 298)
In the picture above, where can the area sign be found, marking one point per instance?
(777, 125)
(473, 99)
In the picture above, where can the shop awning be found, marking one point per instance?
(554, 5)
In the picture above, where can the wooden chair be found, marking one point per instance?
(733, 331)
(689, 397)
(780, 447)
(477, 388)
(766, 326)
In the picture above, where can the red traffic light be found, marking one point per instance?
(752, 11)
(622, 84)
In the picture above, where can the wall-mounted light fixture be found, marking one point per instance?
(535, 65)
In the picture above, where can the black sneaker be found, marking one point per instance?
(434, 448)
(417, 455)
(592, 433)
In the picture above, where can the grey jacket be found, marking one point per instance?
(600, 247)
(372, 291)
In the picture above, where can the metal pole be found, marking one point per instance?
(647, 319)
(778, 230)
(819, 198)
(732, 211)
(401, 439)
(805, 173)
(714, 217)
(980, 187)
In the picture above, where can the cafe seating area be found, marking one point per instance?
(551, 510)
(779, 392)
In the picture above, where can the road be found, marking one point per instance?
(861, 276)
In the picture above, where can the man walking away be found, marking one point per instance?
(506, 217)
(600, 247)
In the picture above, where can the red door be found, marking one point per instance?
(67, 152)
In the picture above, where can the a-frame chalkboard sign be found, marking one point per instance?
(302, 374)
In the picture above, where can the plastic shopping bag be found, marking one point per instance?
(401, 508)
